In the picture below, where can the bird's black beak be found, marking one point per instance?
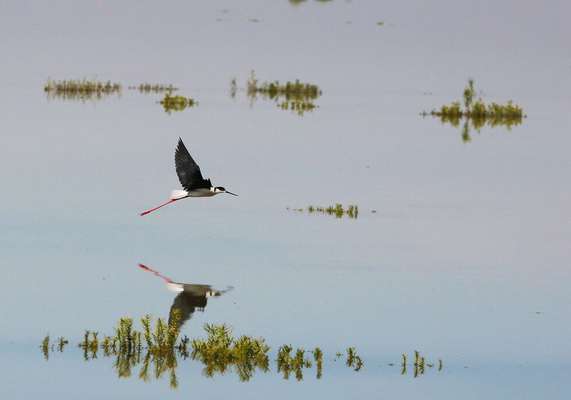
(233, 194)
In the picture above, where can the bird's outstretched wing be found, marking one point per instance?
(188, 170)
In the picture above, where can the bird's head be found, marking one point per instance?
(220, 189)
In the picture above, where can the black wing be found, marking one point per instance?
(188, 170)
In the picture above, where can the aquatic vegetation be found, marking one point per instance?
(176, 103)
(62, 342)
(221, 351)
(419, 366)
(476, 114)
(352, 211)
(290, 90)
(80, 89)
(353, 360)
(288, 363)
(318, 357)
(46, 347)
(153, 88)
(156, 348)
(294, 96)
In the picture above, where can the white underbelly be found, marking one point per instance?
(201, 193)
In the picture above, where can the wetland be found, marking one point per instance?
(409, 264)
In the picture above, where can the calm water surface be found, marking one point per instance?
(466, 258)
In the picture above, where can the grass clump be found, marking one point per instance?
(351, 211)
(176, 103)
(295, 96)
(80, 89)
(221, 351)
(475, 113)
(153, 88)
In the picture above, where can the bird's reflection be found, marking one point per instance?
(190, 298)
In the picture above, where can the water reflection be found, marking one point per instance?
(191, 297)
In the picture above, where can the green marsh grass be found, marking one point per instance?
(172, 103)
(474, 113)
(80, 89)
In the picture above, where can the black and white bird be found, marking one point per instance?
(190, 178)
(190, 297)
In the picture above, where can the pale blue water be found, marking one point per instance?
(469, 242)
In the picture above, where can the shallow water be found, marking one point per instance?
(466, 258)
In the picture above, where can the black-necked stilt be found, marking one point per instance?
(191, 297)
(190, 178)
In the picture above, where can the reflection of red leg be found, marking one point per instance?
(157, 207)
(157, 273)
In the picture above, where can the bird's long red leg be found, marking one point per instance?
(157, 207)
(157, 273)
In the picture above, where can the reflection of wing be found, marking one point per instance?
(186, 304)
(192, 297)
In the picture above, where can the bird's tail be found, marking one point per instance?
(157, 207)
(178, 194)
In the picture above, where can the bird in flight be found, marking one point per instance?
(191, 297)
(190, 178)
